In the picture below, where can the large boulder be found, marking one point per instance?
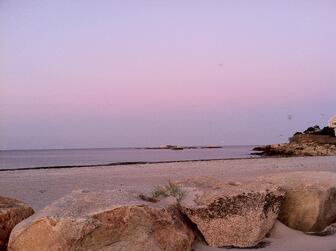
(107, 221)
(310, 203)
(230, 214)
(11, 213)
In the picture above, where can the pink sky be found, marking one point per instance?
(136, 73)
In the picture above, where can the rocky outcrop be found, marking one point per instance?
(310, 203)
(231, 214)
(297, 149)
(11, 213)
(312, 142)
(107, 220)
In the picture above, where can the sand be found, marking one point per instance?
(40, 187)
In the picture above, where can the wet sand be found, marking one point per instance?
(40, 187)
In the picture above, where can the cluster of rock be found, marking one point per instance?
(312, 142)
(225, 214)
(297, 149)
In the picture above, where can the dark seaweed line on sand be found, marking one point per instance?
(119, 164)
(149, 163)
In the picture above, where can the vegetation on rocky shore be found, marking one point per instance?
(312, 142)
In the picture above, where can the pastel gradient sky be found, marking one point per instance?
(144, 73)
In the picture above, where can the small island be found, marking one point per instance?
(175, 147)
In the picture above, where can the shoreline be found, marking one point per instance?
(131, 163)
(38, 187)
(127, 147)
(126, 163)
(28, 160)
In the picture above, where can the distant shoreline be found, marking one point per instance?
(52, 159)
(127, 148)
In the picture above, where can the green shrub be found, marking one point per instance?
(171, 189)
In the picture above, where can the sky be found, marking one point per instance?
(82, 73)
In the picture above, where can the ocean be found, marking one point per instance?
(23, 159)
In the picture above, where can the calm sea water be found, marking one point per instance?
(17, 159)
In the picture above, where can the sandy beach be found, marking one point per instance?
(38, 188)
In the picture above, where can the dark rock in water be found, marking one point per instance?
(272, 150)
(177, 148)
(259, 148)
